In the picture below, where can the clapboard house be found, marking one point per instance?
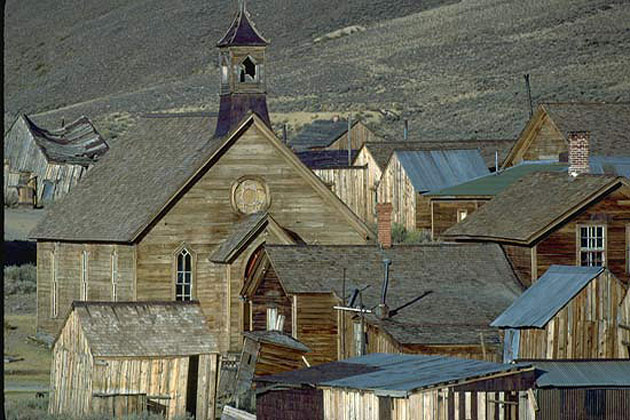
(556, 218)
(439, 300)
(334, 134)
(121, 359)
(42, 165)
(411, 174)
(547, 133)
(174, 212)
(569, 313)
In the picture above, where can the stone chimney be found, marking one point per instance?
(384, 216)
(579, 152)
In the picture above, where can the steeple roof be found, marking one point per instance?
(242, 31)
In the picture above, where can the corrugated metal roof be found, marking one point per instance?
(493, 184)
(583, 373)
(542, 301)
(434, 169)
(394, 374)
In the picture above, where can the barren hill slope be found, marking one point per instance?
(454, 69)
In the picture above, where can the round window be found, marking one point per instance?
(250, 195)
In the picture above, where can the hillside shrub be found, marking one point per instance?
(20, 279)
(400, 235)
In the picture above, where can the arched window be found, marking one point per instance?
(184, 276)
(248, 71)
(84, 275)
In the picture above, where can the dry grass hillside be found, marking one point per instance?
(454, 68)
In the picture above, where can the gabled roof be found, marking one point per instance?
(277, 338)
(492, 184)
(471, 285)
(546, 297)
(382, 151)
(145, 329)
(242, 31)
(429, 170)
(607, 123)
(77, 143)
(319, 133)
(327, 159)
(396, 375)
(243, 233)
(532, 206)
(147, 171)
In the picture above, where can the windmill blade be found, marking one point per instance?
(411, 302)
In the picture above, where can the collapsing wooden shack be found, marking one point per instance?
(569, 313)
(127, 358)
(418, 387)
(43, 165)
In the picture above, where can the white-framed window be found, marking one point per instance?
(592, 240)
(359, 339)
(84, 275)
(184, 276)
(114, 265)
(461, 214)
(272, 318)
(53, 286)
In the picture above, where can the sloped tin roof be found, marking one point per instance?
(582, 373)
(551, 292)
(434, 169)
(277, 338)
(396, 375)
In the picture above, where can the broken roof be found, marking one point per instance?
(145, 329)
(319, 133)
(382, 151)
(327, 159)
(546, 297)
(532, 206)
(432, 169)
(242, 31)
(77, 143)
(277, 338)
(471, 285)
(396, 375)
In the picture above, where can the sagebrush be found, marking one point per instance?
(20, 279)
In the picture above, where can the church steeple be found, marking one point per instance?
(242, 63)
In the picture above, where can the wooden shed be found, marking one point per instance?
(332, 135)
(55, 160)
(126, 358)
(569, 313)
(411, 174)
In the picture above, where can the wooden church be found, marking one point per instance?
(180, 207)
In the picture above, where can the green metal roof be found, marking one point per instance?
(493, 184)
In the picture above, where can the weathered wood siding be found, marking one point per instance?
(359, 135)
(491, 353)
(561, 246)
(270, 294)
(396, 188)
(350, 185)
(423, 212)
(68, 268)
(586, 328)
(203, 218)
(373, 176)
(444, 213)
(623, 330)
(520, 257)
(542, 140)
(290, 404)
(317, 326)
(276, 359)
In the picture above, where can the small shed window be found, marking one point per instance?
(461, 214)
(592, 245)
(359, 339)
(272, 318)
(248, 71)
(184, 279)
(53, 286)
(84, 275)
(114, 265)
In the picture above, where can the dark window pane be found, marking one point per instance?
(187, 278)
(180, 278)
(187, 259)
(180, 262)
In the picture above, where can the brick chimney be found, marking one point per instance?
(384, 215)
(579, 152)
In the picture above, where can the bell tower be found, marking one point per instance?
(242, 65)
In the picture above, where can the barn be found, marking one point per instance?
(568, 313)
(127, 358)
(43, 165)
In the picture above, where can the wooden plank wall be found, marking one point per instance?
(203, 218)
(358, 136)
(350, 185)
(317, 326)
(444, 213)
(290, 404)
(396, 188)
(342, 404)
(377, 340)
(493, 353)
(270, 293)
(68, 260)
(207, 381)
(544, 142)
(560, 247)
(373, 176)
(274, 359)
(520, 257)
(623, 331)
(423, 212)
